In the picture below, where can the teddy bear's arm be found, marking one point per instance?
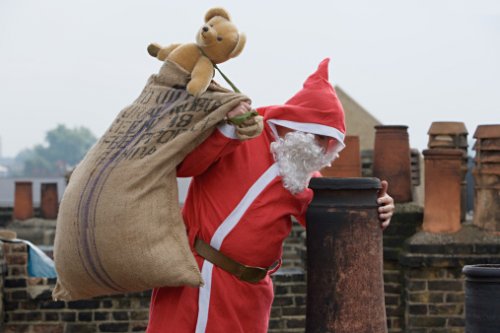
(160, 52)
(201, 76)
(165, 51)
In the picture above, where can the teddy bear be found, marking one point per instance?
(217, 40)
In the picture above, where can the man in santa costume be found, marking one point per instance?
(244, 190)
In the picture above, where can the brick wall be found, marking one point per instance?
(289, 308)
(424, 287)
(433, 280)
(293, 247)
(28, 306)
(405, 223)
(434, 300)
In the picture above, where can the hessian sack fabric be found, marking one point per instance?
(119, 227)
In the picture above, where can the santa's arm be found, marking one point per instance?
(301, 218)
(221, 142)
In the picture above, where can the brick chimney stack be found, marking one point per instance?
(23, 201)
(452, 135)
(487, 177)
(392, 161)
(348, 164)
(443, 175)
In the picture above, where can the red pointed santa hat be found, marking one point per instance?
(315, 109)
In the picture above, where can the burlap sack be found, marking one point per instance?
(119, 227)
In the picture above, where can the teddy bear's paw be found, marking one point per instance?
(195, 89)
(153, 49)
(163, 54)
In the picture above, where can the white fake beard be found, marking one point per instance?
(298, 157)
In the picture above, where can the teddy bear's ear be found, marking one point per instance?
(239, 47)
(217, 11)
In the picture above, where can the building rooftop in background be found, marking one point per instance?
(359, 121)
(7, 189)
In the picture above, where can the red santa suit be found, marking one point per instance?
(237, 203)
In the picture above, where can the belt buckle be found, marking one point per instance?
(252, 274)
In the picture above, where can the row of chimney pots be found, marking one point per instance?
(445, 163)
(23, 201)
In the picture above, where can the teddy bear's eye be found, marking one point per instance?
(219, 38)
(211, 25)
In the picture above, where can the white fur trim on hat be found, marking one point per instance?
(312, 128)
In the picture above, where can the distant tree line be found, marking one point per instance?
(63, 149)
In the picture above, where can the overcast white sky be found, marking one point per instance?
(79, 63)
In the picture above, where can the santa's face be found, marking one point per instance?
(299, 155)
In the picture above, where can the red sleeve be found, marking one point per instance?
(306, 201)
(207, 153)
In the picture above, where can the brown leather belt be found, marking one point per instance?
(242, 272)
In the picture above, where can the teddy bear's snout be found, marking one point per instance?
(207, 35)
